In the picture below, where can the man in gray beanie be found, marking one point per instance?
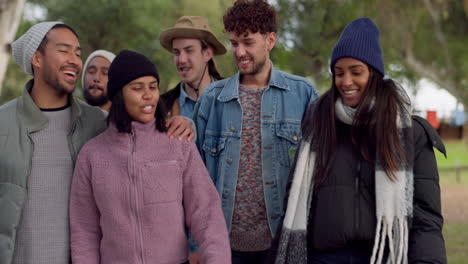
(41, 134)
(94, 78)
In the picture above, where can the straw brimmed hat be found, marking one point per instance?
(191, 27)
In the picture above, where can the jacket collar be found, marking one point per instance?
(33, 117)
(231, 89)
(139, 130)
(183, 97)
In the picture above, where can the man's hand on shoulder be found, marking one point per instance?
(180, 127)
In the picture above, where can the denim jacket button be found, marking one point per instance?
(213, 150)
(225, 195)
(229, 160)
(232, 129)
(295, 138)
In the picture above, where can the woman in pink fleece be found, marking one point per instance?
(136, 192)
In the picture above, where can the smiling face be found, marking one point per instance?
(252, 51)
(141, 97)
(351, 80)
(59, 65)
(95, 81)
(190, 59)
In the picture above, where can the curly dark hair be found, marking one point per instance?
(250, 15)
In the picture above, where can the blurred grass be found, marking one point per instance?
(457, 155)
(456, 235)
(450, 177)
(457, 152)
(456, 243)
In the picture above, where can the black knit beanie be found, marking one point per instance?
(360, 40)
(127, 66)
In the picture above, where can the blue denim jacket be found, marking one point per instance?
(218, 118)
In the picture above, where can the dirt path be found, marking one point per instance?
(454, 203)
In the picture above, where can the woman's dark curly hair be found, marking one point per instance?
(250, 15)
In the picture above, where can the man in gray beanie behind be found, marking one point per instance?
(41, 134)
(94, 78)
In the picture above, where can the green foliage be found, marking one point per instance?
(310, 29)
(14, 84)
(456, 239)
(457, 153)
(120, 24)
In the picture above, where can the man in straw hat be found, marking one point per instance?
(41, 134)
(249, 127)
(193, 46)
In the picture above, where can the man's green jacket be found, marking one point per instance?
(18, 119)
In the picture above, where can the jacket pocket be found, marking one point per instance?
(161, 182)
(288, 137)
(12, 198)
(213, 145)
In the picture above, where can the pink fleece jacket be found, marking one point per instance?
(134, 195)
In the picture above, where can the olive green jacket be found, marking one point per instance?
(18, 119)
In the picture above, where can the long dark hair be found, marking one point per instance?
(119, 116)
(211, 64)
(375, 121)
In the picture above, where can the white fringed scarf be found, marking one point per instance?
(394, 201)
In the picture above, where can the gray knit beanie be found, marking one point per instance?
(97, 53)
(25, 47)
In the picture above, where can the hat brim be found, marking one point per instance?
(166, 37)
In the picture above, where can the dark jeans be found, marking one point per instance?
(257, 257)
(347, 255)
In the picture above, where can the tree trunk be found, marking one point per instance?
(10, 17)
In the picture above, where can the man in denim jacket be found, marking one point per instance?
(248, 128)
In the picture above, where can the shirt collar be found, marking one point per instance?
(183, 97)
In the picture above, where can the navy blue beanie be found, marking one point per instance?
(360, 40)
(127, 66)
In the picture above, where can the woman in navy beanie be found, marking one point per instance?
(365, 186)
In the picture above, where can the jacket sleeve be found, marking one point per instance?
(203, 214)
(426, 243)
(85, 232)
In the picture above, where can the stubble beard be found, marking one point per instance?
(54, 82)
(99, 100)
(256, 68)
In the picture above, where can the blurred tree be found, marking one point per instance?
(120, 24)
(10, 16)
(432, 40)
(424, 38)
(308, 31)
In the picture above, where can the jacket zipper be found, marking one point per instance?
(356, 195)
(133, 178)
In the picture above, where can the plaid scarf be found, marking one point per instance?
(394, 200)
